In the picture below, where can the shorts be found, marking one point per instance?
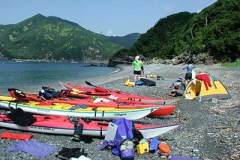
(137, 72)
(142, 68)
(188, 76)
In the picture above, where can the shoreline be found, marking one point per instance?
(125, 72)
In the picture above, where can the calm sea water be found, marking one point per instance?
(20, 74)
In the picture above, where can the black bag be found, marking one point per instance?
(137, 135)
(78, 128)
(148, 81)
(20, 117)
(48, 93)
(67, 153)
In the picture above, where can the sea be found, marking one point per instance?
(17, 74)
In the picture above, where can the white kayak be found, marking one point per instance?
(101, 113)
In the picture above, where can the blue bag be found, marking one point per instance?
(124, 131)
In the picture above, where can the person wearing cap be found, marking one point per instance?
(137, 64)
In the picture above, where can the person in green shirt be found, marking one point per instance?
(137, 64)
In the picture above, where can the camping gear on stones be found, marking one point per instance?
(20, 117)
(67, 153)
(142, 147)
(148, 81)
(182, 158)
(127, 149)
(206, 87)
(179, 84)
(34, 148)
(175, 93)
(129, 83)
(140, 83)
(153, 144)
(78, 129)
(16, 136)
(164, 149)
(125, 128)
(111, 131)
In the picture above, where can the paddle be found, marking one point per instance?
(90, 84)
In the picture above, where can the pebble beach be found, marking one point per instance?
(210, 130)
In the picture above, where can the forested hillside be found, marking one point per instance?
(125, 41)
(214, 31)
(52, 38)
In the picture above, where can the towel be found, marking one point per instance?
(33, 147)
(84, 106)
(101, 100)
(16, 136)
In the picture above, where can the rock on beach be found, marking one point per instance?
(209, 130)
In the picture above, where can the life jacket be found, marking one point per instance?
(18, 116)
(49, 93)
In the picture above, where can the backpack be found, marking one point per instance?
(124, 132)
(140, 83)
(137, 135)
(126, 148)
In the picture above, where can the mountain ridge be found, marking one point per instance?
(126, 41)
(52, 38)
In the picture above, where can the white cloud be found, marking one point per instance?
(110, 33)
(168, 9)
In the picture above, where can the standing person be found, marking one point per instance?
(188, 75)
(142, 68)
(137, 64)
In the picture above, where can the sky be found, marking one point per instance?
(107, 17)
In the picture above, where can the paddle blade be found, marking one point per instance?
(90, 84)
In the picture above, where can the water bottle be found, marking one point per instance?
(199, 98)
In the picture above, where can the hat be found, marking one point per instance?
(137, 58)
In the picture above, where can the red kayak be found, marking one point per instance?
(116, 95)
(99, 102)
(62, 125)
